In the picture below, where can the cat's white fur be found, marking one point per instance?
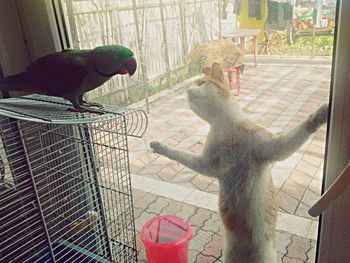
(239, 153)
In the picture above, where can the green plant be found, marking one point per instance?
(322, 46)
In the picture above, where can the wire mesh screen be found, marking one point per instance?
(65, 193)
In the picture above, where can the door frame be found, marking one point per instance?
(334, 231)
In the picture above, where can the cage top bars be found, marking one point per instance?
(53, 110)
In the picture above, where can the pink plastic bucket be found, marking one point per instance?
(166, 239)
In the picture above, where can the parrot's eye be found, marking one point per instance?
(116, 55)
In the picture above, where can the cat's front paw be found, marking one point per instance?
(158, 147)
(318, 118)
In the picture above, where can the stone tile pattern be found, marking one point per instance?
(208, 233)
(275, 96)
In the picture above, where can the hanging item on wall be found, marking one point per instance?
(264, 15)
(252, 14)
(254, 9)
(280, 14)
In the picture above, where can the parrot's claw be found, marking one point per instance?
(86, 109)
(93, 104)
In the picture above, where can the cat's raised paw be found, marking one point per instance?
(157, 147)
(318, 118)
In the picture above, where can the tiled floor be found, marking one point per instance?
(277, 96)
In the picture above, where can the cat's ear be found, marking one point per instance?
(216, 72)
(206, 70)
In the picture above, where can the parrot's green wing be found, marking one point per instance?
(56, 74)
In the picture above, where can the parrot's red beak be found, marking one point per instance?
(128, 67)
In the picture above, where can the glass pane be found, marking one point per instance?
(276, 58)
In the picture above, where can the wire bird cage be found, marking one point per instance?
(65, 193)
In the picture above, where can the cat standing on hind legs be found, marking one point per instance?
(239, 153)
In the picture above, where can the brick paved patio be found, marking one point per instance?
(277, 96)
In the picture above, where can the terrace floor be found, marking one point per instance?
(277, 96)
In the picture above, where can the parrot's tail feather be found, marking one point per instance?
(6, 87)
(12, 87)
(17, 82)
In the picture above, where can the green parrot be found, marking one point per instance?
(71, 73)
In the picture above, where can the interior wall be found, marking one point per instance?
(40, 28)
(27, 32)
(14, 56)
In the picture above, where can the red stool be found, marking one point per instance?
(230, 78)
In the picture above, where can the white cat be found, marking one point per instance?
(239, 153)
